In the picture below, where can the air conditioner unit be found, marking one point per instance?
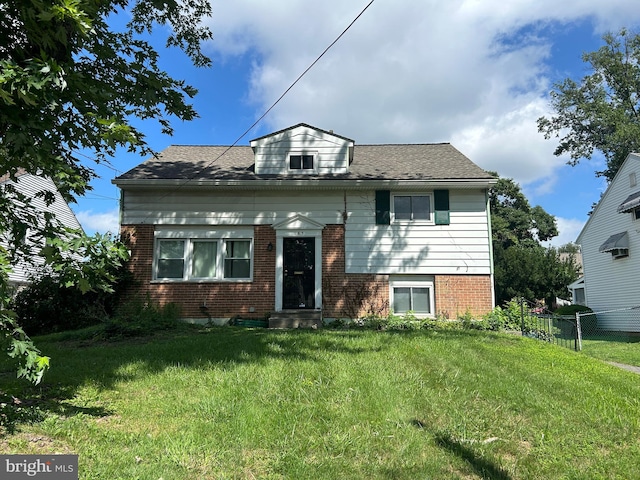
(620, 252)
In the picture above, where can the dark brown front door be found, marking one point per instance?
(298, 285)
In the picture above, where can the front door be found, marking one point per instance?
(298, 284)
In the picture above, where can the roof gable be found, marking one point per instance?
(299, 127)
(619, 186)
(280, 153)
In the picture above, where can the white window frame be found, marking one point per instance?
(392, 207)
(413, 282)
(313, 154)
(201, 235)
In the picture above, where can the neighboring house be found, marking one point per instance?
(577, 292)
(305, 219)
(610, 243)
(30, 185)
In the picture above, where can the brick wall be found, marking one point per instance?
(353, 295)
(343, 296)
(455, 294)
(223, 299)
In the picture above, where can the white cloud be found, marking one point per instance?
(568, 231)
(470, 72)
(104, 222)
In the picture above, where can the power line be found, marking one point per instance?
(192, 177)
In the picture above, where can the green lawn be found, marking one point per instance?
(626, 350)
(241, 403)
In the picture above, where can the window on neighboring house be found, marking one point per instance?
(201, 259)
(412, 296)
(579, 297)
(636, 213)
(632, 179)
(412, 208)
(301, 162)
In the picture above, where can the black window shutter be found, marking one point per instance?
(383, 207)
(441, 206)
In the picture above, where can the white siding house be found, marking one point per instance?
(305, 219)
(30, 186)
(610, 242)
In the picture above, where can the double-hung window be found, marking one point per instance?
(170, 259)
(412, 208)
(237, 260)
(202, 259)
(412, 295)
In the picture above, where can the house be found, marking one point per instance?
(31, 185)
(610, 242)
(304, 219)
(577, 292)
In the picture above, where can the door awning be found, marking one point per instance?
(617, 241)
(630, 203)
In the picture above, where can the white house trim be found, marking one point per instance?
(298, 226)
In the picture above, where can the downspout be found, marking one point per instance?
(121, 211)
(491, 266)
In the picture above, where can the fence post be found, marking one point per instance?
(522, 315)
(578, 333)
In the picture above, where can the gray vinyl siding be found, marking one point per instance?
(612, 283)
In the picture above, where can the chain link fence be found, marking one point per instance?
(614, 325)
(619, 325)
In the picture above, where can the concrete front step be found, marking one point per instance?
(296, 319)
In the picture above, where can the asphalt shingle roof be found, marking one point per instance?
(370, 162)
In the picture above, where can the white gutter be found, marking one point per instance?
(302, 184)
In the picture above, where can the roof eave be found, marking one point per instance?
(312, 183)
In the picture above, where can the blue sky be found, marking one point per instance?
(475, 73)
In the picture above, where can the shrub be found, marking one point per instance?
(572, 310)
(140, 317)
(47, 306)
(408, 321)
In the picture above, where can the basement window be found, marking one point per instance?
(413, 295)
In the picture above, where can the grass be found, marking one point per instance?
(243, 403)
(624, 350)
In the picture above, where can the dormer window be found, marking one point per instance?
(301, 162)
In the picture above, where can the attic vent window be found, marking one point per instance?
(300, 162)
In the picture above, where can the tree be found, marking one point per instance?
(533, 272)
(71, 82)
(602, 111)
(523, 267)
(513, 220)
